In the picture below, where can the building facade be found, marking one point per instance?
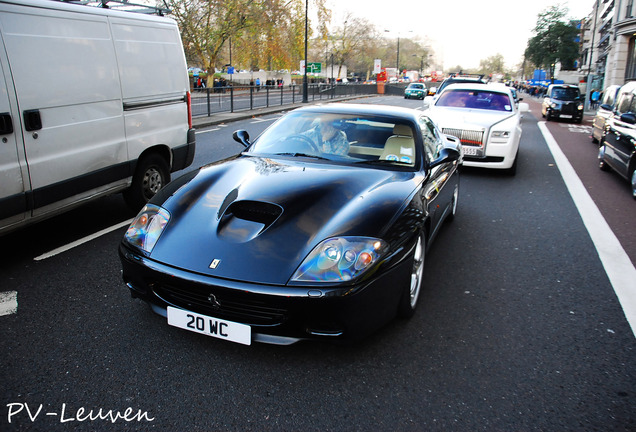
(608, 45)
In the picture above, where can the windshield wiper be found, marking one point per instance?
(382, 162)
(302, 155)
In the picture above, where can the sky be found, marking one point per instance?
(461, 32)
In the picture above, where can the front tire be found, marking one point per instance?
(451, 215)
(601, 158)
(411, 292)
(152, 174)
(512, 171)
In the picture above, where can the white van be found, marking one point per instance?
(92, 101)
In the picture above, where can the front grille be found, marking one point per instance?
(225, 304)
(568, 108)
(467, 137)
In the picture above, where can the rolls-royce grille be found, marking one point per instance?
(467, 137)
(472, 141)
(225, 306)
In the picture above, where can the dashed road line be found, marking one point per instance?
(8, 303)
(81, 241)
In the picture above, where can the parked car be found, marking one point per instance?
(415, 90)
(562, 101)
(81, 116)
(604, 111)
(617, 149)
(486, 119)
(318, 230)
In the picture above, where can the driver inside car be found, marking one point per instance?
(327, 137)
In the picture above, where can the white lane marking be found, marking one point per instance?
(264, 120)
(81, 241)
(198, 132)
(619, 268)
(8, 303)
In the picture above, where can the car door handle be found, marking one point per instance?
(32, 120)
(6, 124)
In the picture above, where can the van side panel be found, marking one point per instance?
(79, 104)
(13, 171)
(154, 83)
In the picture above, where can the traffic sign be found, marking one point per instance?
(314, 67)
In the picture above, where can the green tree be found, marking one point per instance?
(492, 65)
(260, 33)
(554, 41)
(351, 40)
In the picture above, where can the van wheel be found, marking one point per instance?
(151, 175)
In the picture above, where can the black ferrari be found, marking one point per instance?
(318, 230)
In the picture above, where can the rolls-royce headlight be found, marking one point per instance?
(340, 259)
(580, 107)
(146, 228)
(500, 136)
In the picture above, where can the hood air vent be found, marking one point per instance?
(244, 220)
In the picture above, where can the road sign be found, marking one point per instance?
(377, 66)
(314, 67)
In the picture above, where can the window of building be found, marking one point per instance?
(630, 70)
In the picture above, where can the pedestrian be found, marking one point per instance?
(594, 98)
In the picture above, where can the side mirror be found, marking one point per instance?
(607, 107)
(428, 101)
(241, 136)
(629, 118)
(524, 107)
(449, 153)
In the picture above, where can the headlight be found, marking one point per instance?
(145, 229)
(554, 105)
(580, 107)
(500, 136)
(340, 259)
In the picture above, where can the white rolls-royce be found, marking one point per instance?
(486, 119)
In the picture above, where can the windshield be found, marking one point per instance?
(567, 93)
(475, 99)
(345, 138)
(416, 86)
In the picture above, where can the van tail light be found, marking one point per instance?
(189, 101)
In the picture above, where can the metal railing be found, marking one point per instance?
(210, 101)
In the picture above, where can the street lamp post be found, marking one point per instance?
(397, 57)
(305, 84)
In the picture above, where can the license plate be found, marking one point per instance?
(470, 151)
(566, 116)
(210, 326)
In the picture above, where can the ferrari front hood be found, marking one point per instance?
(255, 219)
